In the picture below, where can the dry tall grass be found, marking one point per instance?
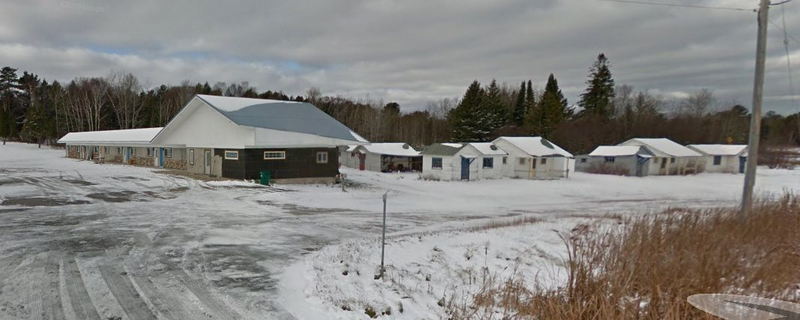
(648, 268)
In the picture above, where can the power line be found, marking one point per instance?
(788, 56)
(680, 5)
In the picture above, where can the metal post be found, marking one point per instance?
(383, 236)
(755, 120)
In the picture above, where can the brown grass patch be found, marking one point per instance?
(647, 267)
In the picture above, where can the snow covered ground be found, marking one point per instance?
(85, 241)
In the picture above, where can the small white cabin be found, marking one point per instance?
(536, 158)
(723, 158)
(669, 157)
(464, 161)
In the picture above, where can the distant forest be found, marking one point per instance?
(35, 110)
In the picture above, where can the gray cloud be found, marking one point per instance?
(409, 51)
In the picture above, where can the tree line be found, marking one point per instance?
(35, 110)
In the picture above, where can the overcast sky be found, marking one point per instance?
(407, 51)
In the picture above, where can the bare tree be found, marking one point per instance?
(698, 104)
(124, 95)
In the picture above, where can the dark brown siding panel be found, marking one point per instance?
(299, 163)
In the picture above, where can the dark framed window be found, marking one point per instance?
(544, 160)
(717, 160)
(274, 155)
(583, 160)
(436, 163)
(505, 160)
(522, 161)
(168, 152)
(488, 163)
(322, 157)
(231, 155)
(671, 160)
(610, 159)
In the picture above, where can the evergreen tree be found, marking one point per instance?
(465, 118)
(9, 86)
(518, 116)
(598, 97)
(551, 109)
(493, 110)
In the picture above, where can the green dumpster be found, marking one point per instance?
(265, 177)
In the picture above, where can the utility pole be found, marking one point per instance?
(383, 236)
(755, 118)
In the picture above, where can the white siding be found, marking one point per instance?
(202, 127)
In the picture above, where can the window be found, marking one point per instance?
(105, 149)
(663, 163)
(505, 160)
(191, 157)
(322, 157)
(231, 155)
(436, 163)
(583, 160)
(274, 155)
(168, 152)
(488, 163)
(671, 160)
(544, 160)
(522, 161)
(717, 160)
(149, 151)
(610, 159)
(119, 150)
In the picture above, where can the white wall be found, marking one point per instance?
(520, 165)
(446, 173)
(729, 164)
(451, 166)
(201, 127)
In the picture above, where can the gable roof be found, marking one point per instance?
(487, 148)
(664, 146)
(443, 149)
(392, 149)
(720, 149)
(615, 151)
(280, 115)
(536, 146)
(126, 136)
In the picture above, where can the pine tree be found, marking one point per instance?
(465, 119)
(598, 97)
(551, 110)
(9, 85)
(492, 111)
(518, 116)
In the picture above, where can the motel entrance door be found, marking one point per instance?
(207, 162)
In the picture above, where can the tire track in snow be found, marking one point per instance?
(128, 297)
(79, 298)
(217, 307)
(51, 295)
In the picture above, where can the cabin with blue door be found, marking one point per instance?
(464, 161)
(722, 158)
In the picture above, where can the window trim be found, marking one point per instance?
(281, 152)
(610, 159)
(433, 161)
(168, 152)
(522, 161)
(319, 153)
(225, 154)
(491, 163)
(717, 160)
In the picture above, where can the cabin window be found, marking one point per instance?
(671, 160)
(191, 156)
(488, 163)
(583, 160)
(663, 163)
(522, 161)
(105, 149)
(322, 157)
(436, 163)
(610, 159)
(717, 160)
(544, 160)
(505, 160)
(274, 155)
(119, 150)
(168, 152)
(149, 152)
(231, 155)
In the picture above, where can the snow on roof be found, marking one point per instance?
(452, 144)
(392, 149)
(537, 146)
(126, 136)
(719, 149)
(663, 145)
(280, 115)
(487, 148)
(615, 151)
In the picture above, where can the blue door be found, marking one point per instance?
(161, 157)
(742, 162)
(465, 168)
